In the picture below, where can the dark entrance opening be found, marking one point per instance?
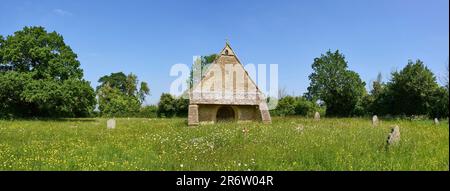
(224, 114)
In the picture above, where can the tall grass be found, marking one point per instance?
(168, 144)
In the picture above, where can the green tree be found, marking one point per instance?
(376, 103)
(286, 106)
(45, 74)
(12, 84)
(331, 82)
(181, 106)
(377, 86)
(166, 106)
(118, 94)
(170, 106)
(144, 90)
(113, 102)
(305, 107)
(289, 105)
(411, 90)
(131, 85)
(114, 80)
(439, 103)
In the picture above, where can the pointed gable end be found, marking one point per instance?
(226, 92)
(227, 51)
(226, 82)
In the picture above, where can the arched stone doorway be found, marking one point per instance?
(225, 113)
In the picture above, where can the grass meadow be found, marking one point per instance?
(291, 143)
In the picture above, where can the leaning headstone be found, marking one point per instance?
(317, 116)
(394, 136)
(436, 121)
(375, 120)
(111, 124)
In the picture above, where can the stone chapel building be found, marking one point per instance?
(226, 93)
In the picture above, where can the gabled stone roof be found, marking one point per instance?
(237, 91)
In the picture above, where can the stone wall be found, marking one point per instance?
(207, 113)
(248, 113)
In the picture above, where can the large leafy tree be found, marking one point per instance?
(113, 102)
(339, 88)
(285, 106)
(41, 76)
(377, 101)
(170, 106)
(411, 90)
(114, 80)
(12, 103)
(166, 106)
(439, 103)
(118, 94)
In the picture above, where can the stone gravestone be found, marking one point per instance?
(375, 120)
(394, 136)
(317, 116)
(111, 124)
(436, 121)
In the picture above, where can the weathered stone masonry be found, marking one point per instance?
(226, 92)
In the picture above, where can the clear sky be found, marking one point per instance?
(148, 37)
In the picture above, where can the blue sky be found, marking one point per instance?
(148, 37)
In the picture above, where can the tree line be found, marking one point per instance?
(40, 76)
(412, 91)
